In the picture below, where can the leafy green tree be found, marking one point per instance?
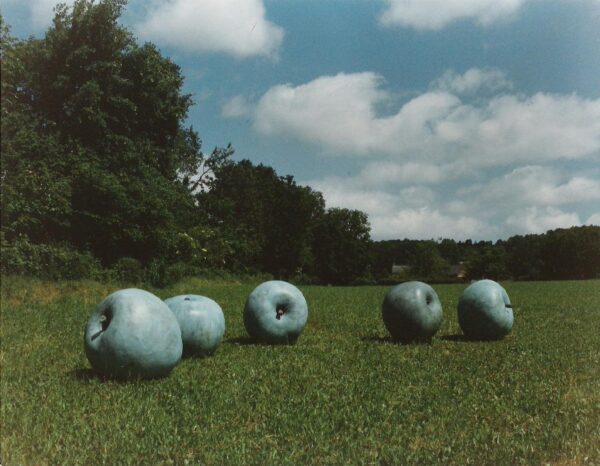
(94, 151)
(450, 251)
(341, 246)
(525, 257)
(35, 201)
(427, 262)
(389, 252)
(488, 261)
(267, 218)
(571, 253)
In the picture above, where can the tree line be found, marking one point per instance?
(564, 253)
(101, 176)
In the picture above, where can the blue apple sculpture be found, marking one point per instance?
(412, 312)
(484, 311)
(133, 334)
(275, 312)
(201, 321)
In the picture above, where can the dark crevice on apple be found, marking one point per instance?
(428, 299)
(509, 306)
(280, 311)
(105, 319)
(186, 299)
(104, 323)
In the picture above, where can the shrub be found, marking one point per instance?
(128, 269)
(52, 261)
(160, 274)
(178, 271)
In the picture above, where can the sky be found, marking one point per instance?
(438, 118)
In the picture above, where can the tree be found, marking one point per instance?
(267, 218)
(488, 261)
(449, 250)
(525, 257)
(426, 261)
(94, 151)
(571, 253)
(35, 201)
(341, 246)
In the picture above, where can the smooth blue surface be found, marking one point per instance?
(132, 333)
(485, 311)
(412, 312)
(201, 321)
(275, 312)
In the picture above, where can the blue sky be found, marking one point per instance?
(439, 118)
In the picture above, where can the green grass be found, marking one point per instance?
(342, 395)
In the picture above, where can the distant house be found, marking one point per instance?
(458, 270)
(400, 269)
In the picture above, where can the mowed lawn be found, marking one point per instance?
(343, 394)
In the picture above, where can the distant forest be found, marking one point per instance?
(571, 253)
(101, 178)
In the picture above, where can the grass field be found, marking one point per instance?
(343, 394)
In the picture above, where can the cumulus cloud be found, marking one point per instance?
(336, 111)
(405, 212)
(236, 107)
(386, 172)
(530, 199)
(42, 12)
(339, 113)
(534, 185)
(236, 27)
(428, 223)
(473, 80)
(539, 220)
(594, 219)
(466, 157)
(435, 14)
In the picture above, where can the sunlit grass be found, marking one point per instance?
(342, 394)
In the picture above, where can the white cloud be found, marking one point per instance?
(401, 211)
(236, 107)
(431, 166)
(353, 193)
(235, 27)
(435, 14)
(380, 173)
(426, 223)
(534, 185)
(473, 80)
(336, 111)
(407, 211)
(42, 12)
(530, 199)
(539, 220)
(594, 219)
(339, 113)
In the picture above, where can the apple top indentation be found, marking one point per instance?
(106, 318)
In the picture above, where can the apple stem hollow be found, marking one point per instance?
(105, 320)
